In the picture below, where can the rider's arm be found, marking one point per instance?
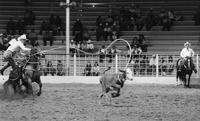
(182, 54)
(21, 45)
(192, 51)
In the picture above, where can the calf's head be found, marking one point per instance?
(127, 74)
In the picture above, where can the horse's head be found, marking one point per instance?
(188, 64)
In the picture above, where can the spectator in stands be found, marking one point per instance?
(99, 32)
(166, 21)
(107, 32)
(133, 12)
(98, 21)
(58, 21)
(90, 46)
(43, 27)
(109, 20)
(102, 53)
(170, 65)
(88, 69)
(196, 16)
(32, 36)
(60, 68)
(162, 66)
(52, 19)
(144, 64)
(3, 42)
(150, 19)
(20, 26)
(84, 45)
(59, 26)
(142, 42)
(152, 64)
(11, 27)
(86, 35)
(171, 16)
(115, 31)
(29, 17)
(49, 69)
(135, 42)
(161, 16)
(140, 21)
(72, 47)
(96, 69)
(78, 37)
(47, 36)
(112, 52)
(78, 26)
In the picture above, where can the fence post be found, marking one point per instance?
(74, 64)
(116, 63)
(157, 65)
(197, 65)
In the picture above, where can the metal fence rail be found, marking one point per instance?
(165, 65)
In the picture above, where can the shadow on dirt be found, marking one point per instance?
(117, 105)
(195, 86)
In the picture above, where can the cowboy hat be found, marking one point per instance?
(22, 37)
(187, 43)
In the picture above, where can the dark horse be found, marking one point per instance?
(24, 73)
(184, 67)
(31, 72)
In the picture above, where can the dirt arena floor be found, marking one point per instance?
(79, 102)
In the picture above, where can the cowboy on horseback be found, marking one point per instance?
(16, 46)
(188, 53)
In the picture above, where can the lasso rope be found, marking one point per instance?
(93, 53)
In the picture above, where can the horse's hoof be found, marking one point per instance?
(39, 93)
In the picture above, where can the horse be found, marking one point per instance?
(31, 72)
(184, 67)
(24, 73)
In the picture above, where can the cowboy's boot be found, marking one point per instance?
(4, 68)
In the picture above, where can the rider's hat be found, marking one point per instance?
(187, 43)
(22, 37)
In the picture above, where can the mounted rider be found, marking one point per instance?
(188, 52)
(16, 46)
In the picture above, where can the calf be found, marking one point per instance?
(114, 82)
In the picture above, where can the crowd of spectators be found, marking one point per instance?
(49, 69)
(196, 16)
(90, 70)
(133, 18)
(146, 66)
(107, 28)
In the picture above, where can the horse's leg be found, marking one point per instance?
(40, 85)
(178, 78)
(188, 83)
(30, 89)
(184, 80)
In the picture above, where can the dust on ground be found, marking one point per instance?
(79, 102)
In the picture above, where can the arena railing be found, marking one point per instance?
(139, 64)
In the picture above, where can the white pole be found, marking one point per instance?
(157, 65)
(67, 36)
(74, 64)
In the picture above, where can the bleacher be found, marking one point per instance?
(162, 42)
